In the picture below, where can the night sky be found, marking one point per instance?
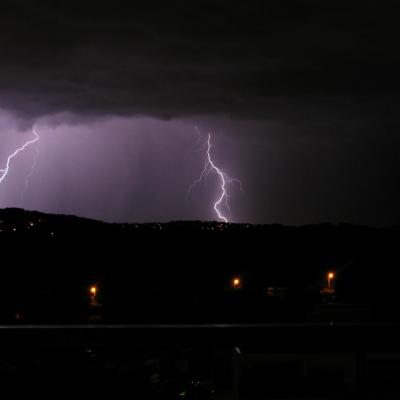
(301, 99)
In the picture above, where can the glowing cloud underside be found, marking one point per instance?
(4, 172)
(210, 166)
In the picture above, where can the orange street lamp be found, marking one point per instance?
(93, 291)
(331, 276)
(236, 283)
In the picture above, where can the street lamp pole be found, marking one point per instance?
(331, 275)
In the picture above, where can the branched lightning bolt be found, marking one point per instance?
(4, 172)
(209, 166)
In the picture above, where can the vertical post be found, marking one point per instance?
(305, 377)
(360, 370)
(330, 277)
(235, 372)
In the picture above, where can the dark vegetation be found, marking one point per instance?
(182, 271)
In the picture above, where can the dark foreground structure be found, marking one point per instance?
(203, 361)
(192, 310)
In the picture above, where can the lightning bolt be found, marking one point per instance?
(32, 170)
(4, 172)
(209, 166)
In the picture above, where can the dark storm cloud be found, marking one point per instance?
(302, 98)
(290, 60)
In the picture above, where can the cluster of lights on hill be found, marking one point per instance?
(14, 220)
(32, 226)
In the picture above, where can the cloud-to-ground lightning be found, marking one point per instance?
(4, 172)
(210, 166)
(32, 169)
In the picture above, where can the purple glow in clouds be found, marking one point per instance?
(114, 169)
